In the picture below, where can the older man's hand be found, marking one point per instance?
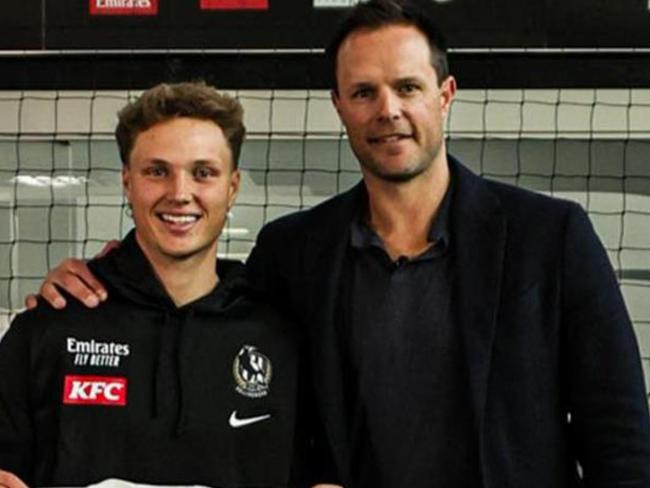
(73, 276)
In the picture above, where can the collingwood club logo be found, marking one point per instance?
(252, 372)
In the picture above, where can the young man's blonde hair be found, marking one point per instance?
(188, 99)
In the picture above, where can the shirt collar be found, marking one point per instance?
(362, 236)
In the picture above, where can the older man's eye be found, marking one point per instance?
(204, 172)
(408, 88)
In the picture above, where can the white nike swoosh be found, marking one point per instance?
(237, 422)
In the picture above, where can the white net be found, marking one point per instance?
(60, 191)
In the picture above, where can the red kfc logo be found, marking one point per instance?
(234, 4)
(123, 7)
(94, 390)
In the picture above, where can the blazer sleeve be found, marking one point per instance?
(608, 408)
(270, 267)
(267, 264)
(16, 428)
(259, 265)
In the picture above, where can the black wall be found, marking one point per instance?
(67, 24)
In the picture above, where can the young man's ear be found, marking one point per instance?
(233, 188)
(126, 181)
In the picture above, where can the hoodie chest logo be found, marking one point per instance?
(252, 372)
(96, 353)
(94, 390)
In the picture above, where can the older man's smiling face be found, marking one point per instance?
(390, 101)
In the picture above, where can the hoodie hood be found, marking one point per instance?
(128, 275)
(127, 271)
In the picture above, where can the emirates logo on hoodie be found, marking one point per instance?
(96, 353)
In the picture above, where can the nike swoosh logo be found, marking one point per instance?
(236, 422)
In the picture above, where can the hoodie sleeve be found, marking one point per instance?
(16, 430)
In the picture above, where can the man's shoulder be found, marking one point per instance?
(509, 198)
(33, 323)
(538, 220)
(515, 199)
(44, 315)
(528, 214)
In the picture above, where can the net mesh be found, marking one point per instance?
(60, 191)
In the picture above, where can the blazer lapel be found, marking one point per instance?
(480, 234)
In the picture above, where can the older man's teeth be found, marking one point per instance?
(179, 219)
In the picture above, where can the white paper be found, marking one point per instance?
(118, 483)
(335, 3)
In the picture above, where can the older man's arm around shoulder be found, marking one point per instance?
(74, 276)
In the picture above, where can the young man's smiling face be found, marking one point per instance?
(180, 182)
(390, 101)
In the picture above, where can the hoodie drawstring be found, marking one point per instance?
(184, 358)
(159, 372)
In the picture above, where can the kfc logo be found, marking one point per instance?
(94, 390)
(123, 7)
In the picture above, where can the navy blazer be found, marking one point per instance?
(554, 368)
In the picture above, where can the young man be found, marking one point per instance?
(182, 376)
(463, 333)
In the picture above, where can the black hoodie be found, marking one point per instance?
(143, 390)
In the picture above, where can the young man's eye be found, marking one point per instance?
(156, 171)
(362, 93)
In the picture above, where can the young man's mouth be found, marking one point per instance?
(178, 222)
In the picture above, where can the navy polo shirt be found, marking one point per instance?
(411, 422)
